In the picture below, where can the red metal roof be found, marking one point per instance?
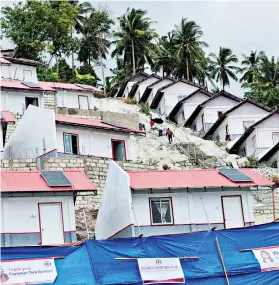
(16, 84)
(32, 181)
(92, 123)
(70, 86)
(193, 178)
(4, 61)
(8, 117)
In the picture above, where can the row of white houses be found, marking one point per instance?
(248, 127)
(20, 88)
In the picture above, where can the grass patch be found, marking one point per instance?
(130, 101)
(144, 109)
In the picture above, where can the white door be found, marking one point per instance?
(83, 102)
(51, 223)
(233, 212)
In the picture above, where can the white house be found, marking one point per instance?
(168, 96)
(40, 132)
(208, 112)
(78, 96)
(16, 96)
(234, 122)
(38, 207)
(258, 138)
(140, 86)
(271, 156)
(185, 107)
(19, 69)
(127, 85)
(175, 201)
(151, 90)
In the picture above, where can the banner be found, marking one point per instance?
(268, 258)
(160, 270)
(28, 271)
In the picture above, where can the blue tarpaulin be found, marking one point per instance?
(93, 262)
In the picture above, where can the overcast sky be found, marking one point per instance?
(240, 25)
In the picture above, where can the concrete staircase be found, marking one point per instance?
(197, 158)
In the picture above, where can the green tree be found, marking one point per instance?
(164, 59)
(251, 67)
(134, 40)
(39, 26)
(84, 8)
(223, 67)
(187, 38)
(266, 88)
(96, 33)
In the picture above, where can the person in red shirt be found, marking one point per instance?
(151, 124)
(169, 134)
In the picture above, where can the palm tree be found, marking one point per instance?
(187, 37)
(84, 8)
(134, 38)
(269, 71)
(164, 58)
(223, 68)
(251, 65)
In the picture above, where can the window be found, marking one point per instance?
(161, 211)
(31, 101)
(242, 152)
(220, 113)
(275, 138)
(202, 119)
(71, 143)
(247, 124)
(274, 164)
(27, 75)
(183, 116)
(227, 130)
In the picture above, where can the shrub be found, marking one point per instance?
(252, 162)
(131, 101)
(275, 179)
(165, 167)
(144, 109)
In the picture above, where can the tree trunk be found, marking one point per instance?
(73, 60)
(133, 55)
(57, 66)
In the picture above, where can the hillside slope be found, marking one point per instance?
(187, 150)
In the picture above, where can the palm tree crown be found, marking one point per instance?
(222, 66)
(134, 38)
(187, 37)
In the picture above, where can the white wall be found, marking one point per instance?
(70, 99)
(263, 135)
(189, 106)
(20, 72)
(188, 207)
(210, 111)
(155, 89)
(14, 101)
(115, 209)
(92, 142)
(131, 83)
(20, 214)
(143, 85)
(235, 120)
(26, 141)
(172, 95)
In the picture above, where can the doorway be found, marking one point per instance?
(51, 223)
(118, 150)
(31, 101)
(83, 102)
(232, 211)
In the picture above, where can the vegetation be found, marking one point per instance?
(68, 34)
(144, 109)
(131, 101)
(252, 162)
